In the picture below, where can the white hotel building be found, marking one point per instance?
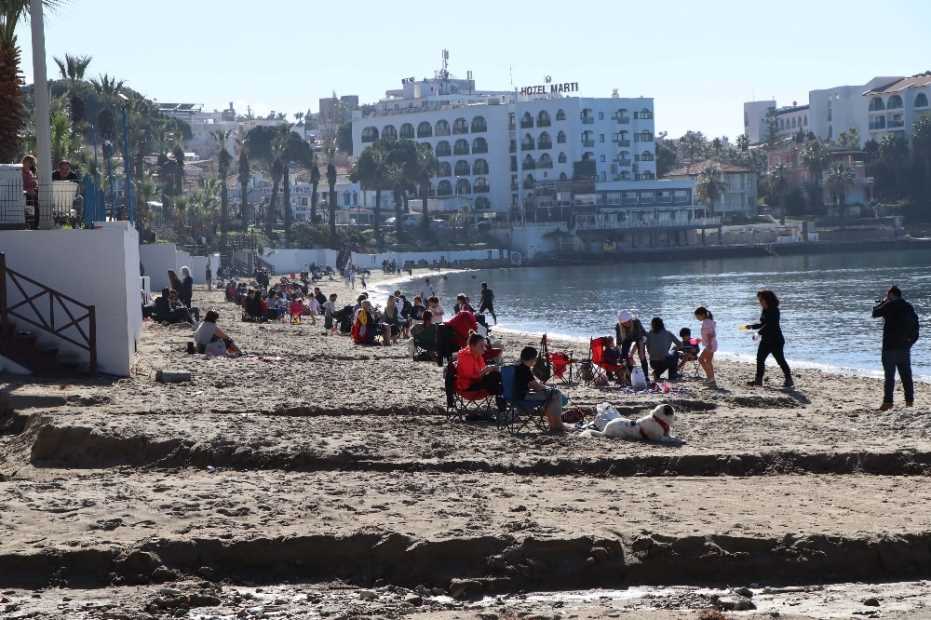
(493, 147)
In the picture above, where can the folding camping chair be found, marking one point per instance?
(463, 405)
(596, 369)
(518, 415)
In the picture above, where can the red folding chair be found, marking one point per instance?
(599, 368)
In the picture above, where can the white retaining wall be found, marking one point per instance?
(296, 261)
(370, 261)
(97, 267)
(160, 258)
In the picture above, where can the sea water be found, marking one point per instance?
(826, 300)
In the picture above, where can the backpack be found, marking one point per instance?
(541, 368)
(912, 329)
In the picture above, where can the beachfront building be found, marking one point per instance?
(833, 111)
(494, 147)
(895, 107)
(740, 193)
(203, 124)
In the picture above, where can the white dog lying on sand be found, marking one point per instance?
(653, 427)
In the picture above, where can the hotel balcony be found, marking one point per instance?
(623, 120)
(588, 120)
(625, 163)
(624, 142)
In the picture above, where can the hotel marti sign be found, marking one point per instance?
(550, 88)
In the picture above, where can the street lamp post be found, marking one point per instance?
(42, 114)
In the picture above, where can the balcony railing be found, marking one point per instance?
(877, 123)
(623, 120)
(545, 145)
(623, 142)
(895, 123)
(588, 120)
(604, 222)
(588, 143)
(624, 163)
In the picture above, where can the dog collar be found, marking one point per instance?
(663, 424)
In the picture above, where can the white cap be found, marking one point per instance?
(624, 316)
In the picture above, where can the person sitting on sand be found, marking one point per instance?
(662, 348)
(368, 326)
(433, 305)
(462, 324)
(528, 389)
(472, 373)
(329, 310)
(210, 339)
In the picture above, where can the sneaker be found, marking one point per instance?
(788, 385)
(885, 407)
(909, 403)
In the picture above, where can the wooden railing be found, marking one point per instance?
(83, 321)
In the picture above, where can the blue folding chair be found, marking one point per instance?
(518, 415)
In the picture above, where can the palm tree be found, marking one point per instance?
(816, 159)
(396, 181)
(331, 201)
(107, 85)
(369, 171)
(12, 112)
(777, 182)
(277, 171)
(243, 178)
(314, 184)
(710, 186)
(838, 180)
(224, 159)
(73, 67)
(426, 170)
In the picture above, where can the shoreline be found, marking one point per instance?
(381, 284)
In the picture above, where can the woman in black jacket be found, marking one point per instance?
(771, 339)
(186, 294)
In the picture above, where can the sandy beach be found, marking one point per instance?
(316, 478)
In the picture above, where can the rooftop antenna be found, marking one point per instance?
(444, 73)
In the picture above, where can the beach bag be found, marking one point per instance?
(541, 368)
(604, 413)
(637, 379)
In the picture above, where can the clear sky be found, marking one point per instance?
(699, 60)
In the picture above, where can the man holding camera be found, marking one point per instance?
(900, 332)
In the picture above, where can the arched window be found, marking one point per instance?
(646, 156)
(561, 137)
(646, 136)
(588, 116)
(407, 131)
(369, 134)
(479, 145)
(588, 156)
(480, 166)
(545, 161)
(543, 119)
(529, 164)
(563, 177)
(623, 116)
(479, 125)
(526, 121)
(442, 128)
(545, 141)
(481, 186)
(443, 149)
(482, 203)
(443, 169)
(388, 132)
(424, 130)
(461, 126)
(444, 188)
(529, 181)
(646, 113)
(463, 186)
(921, 100)
(562, 158)
(461, 147)
(894, 103)
(462, 168)
(588, 138)
(527, 143)
(560, 115)
(876, 103)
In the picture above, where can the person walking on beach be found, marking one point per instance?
(488, 302)
(209, 275)
(709, 339)
(771, 339)
(900, 332)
